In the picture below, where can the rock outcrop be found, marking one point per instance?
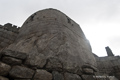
(109, 51)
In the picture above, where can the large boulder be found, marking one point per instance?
(48, 35)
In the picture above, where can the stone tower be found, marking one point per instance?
(53, 42)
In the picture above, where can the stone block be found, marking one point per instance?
(7, 25)
(6, 41)
(0, 55)
(54, 63)
(117, 75)
(1, 38)
(11, 61)
(89, 77)
(70, 76)
(21, 72)
(3, 78)
(4, 69)
(18, 55)
(10, 37)
(42, 75)
(3, 44)
(88, 71)
(36, 61)
(57, 76)
(22, 79)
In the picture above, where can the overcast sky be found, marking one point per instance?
(99, 19)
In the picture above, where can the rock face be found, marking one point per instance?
(52, 40)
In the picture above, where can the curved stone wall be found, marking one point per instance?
(54, 41)
(51, 46)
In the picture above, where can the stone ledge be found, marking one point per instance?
(21, 72)
(15, 54)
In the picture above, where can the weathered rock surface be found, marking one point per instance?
(109, 64)
(109, 51)
(37, 61)
(0, 55)
(51, 34)
(21, 72)
(90, 77)
(57, 76)
(88, 71)
(54, 64)
(4, 69)
(11, 61)
(3, 78)
(22, 79)
(117, 74)
(42, 75)
(8, 34)
(70, 76)
(15, 54)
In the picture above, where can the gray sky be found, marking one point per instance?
(99, 19)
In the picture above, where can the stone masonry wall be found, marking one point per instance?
(51, 35)
(12, 67)
(109, 65)
(8, 34)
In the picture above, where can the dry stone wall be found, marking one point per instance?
(109, 65)
(8, 34)
(13, 67)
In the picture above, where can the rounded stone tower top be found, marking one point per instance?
(50, 17)
(53, 41)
